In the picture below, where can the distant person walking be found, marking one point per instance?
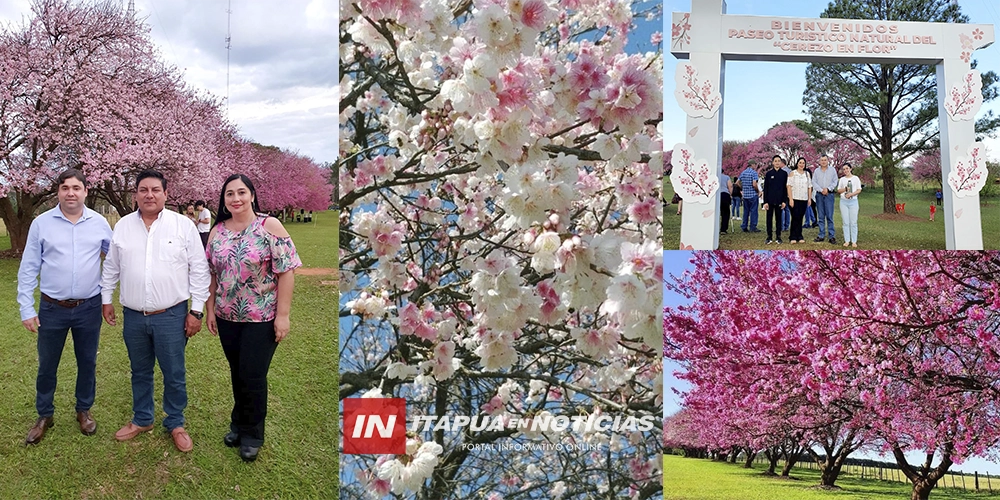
(190, 214)
(737, 198)
(203, 221)
(824, 186)
(810, 220)
(725, 187)
(849, 188)
(748, 180)
(775, 198)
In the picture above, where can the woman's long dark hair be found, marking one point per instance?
(224, 213)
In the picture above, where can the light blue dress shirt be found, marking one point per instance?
(67, 255)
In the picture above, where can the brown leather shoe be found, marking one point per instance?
(130, 431)
(37, 431)
(181, 439)
(87, 424)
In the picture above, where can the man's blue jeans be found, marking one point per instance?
(810, 215)
(749, 213)
(824, 214)
(54, 322)
(149, 339)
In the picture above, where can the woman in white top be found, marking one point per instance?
(800, 197)
(849, 186)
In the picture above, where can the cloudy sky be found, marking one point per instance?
(283, 64)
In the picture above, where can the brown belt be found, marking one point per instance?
(154, 313)
(64, 303)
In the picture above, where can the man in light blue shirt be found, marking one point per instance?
(825, 187)
(64, 245)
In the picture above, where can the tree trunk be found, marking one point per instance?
(118, 197)
(885, 120)
(748, 463)
(772, 460)
(790, 460)
(924, 478)
(889, 184)
(830, 474)
(732, 455)
(18, 218)
(921, 490)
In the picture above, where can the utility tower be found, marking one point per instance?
(229, 38)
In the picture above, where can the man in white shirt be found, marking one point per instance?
(158, 258)
(204, 221)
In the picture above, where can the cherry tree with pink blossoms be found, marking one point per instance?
(500, 173)
(927, 167)
(82, 85)
(897, 348)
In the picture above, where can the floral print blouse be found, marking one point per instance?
(246, 265)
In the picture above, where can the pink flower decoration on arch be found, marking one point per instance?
(679, 32)
(698, 98)
(966, 42)
(978, 34)
(692, 179)
(968, 175)
(964, 100)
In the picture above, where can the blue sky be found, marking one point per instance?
(780, 85)
(675, 263)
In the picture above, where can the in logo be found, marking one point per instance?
(374, 426)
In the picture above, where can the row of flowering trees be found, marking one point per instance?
(791, 142)
(834, 351)
(500, 171)
(82, 85)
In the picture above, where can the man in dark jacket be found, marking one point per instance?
(775, 196)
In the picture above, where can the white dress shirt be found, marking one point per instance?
(204, 227)
(158, 268)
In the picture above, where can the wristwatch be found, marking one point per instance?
(197, 314)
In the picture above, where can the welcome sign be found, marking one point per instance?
(707, 37)
(751, 37)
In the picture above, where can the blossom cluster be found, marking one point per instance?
(500, 175)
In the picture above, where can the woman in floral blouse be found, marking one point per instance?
(252, 259)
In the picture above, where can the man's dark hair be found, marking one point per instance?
(146, 174)
(751, 163)
(72, 172)
(199, 203)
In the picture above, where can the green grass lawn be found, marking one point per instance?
(697, 479)
(875, 230)
(298, 460)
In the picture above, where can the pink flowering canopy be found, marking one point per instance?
(898, 346)
(500, 173)
(82, 85)
(790, 142)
